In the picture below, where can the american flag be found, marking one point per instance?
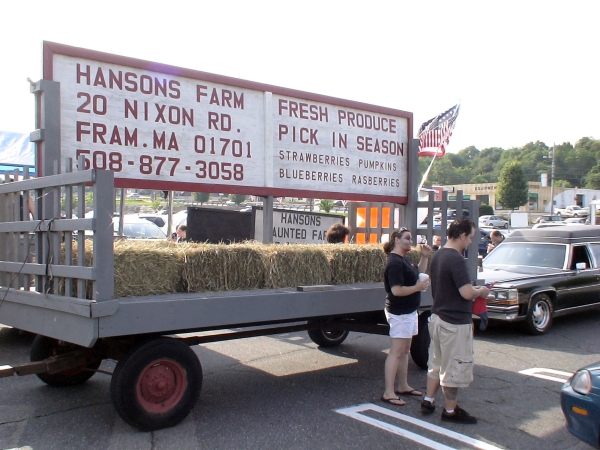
(435, 134)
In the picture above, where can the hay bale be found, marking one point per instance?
(159, 267)
(371, 263)
(148, 267)
(220, 267)
(343, 263)
(294, 265)
(355, 263)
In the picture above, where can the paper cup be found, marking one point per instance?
(423, 276)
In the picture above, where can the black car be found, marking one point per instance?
(543, 273)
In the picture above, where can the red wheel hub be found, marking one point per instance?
(161, 385)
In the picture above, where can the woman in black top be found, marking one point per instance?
(401, 280)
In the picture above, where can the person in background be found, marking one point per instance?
(337, 234)
(437, 242)
(180, 234)
(403, 287)
(450, 325)
(496, 238)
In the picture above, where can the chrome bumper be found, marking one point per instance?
(508, 313)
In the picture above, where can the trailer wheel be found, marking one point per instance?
(156, 384)
(327, 337)
(419, 348)
(44, 347)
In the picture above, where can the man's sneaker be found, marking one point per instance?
(459, 415)
(427, 407)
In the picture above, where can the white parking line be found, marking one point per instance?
(355, 413)
(538, 372)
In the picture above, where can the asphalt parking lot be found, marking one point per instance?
(283, 392)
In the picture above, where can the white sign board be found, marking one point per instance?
(163, 127)
(296, 227)
(519, 220)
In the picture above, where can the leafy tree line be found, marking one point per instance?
(577, 165)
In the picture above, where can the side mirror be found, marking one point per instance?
(581, 266)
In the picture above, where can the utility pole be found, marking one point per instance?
(552, 182)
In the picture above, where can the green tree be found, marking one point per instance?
(592, 179)
(74, 202)
(486, 210)
(237, 198)
(156, 204)
(512, 190)
(326, 205)
(563, 184)
(578, 162)
(484, 165)
(200, 197)
(478, 179)
(469, 153)
(442, 172)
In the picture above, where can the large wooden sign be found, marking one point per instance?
(164, 127)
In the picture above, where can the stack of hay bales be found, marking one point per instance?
(159, 267)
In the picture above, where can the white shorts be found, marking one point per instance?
(404, 325)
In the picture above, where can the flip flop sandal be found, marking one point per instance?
(413, 392)
(392, 400)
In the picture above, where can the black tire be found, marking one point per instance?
(539, 315)
(505, 226)
(419, 347)
(156, 384)
(43, 347)
(327, 337)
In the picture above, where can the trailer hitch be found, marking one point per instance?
(54, 364)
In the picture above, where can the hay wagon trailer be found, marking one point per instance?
(158, 378)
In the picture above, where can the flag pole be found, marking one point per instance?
(426, 174)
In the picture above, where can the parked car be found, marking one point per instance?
(159, 220)
(539, 274)
(179, 218)
(484, 241)
(493, 221)
(137, 228)
(572, 211)
(576, 220)
(580, 403)
(545, 218)
(548, 224)
(134, 195)
(450, 215)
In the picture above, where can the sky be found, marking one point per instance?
(523, 71)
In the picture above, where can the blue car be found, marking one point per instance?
(580, 403)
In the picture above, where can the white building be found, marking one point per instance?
(575, 196)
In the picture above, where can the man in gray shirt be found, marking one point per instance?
(450, 326)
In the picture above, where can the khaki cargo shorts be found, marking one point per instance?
(450, 353)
